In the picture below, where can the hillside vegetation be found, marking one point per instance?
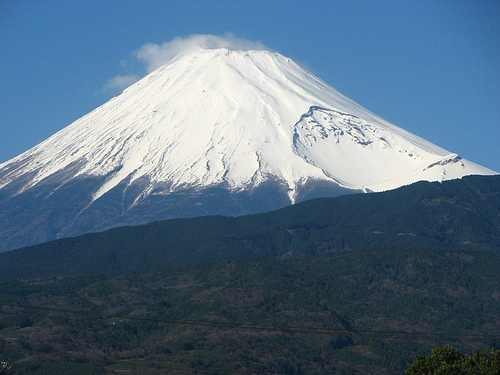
(350, 285)
(459, 214)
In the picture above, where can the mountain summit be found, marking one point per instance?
(214, 131)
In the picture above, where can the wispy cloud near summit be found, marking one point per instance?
(119, 83)
(154, 55)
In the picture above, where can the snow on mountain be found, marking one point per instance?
(229, 116)
(219, 117)
(359, 154)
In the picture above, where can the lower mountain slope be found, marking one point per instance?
(457, 214)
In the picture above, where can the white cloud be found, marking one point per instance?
(155, 55)
(119, 83)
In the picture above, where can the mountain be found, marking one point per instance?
(457, 215)
(211, 132)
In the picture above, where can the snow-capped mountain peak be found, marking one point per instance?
(231, 119)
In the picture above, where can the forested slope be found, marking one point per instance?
(460, 214)
(350, 285)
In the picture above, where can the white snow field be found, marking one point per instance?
(216, 116)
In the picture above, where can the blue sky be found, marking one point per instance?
(431, 67)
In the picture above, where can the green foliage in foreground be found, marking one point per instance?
(447, 360)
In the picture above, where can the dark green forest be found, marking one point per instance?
(349, 285)
(454, 215)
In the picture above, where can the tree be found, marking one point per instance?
(450, 361)
(4, 367)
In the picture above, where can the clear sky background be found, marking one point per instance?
(429, 66)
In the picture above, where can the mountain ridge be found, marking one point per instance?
(245, 124)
